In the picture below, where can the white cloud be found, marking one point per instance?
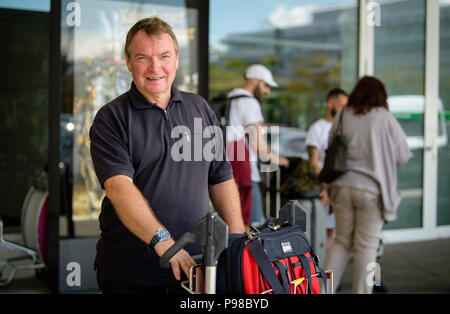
(284, 17)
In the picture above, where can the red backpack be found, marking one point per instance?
(275, 259)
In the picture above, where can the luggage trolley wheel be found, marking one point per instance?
(35, 223)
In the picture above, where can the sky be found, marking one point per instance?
(256, 15)
(31, 5)
(237, 16)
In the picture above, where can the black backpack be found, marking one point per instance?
(221, 105)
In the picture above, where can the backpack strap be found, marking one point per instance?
(265, 265)
(239, 96)
(304, 260)
(230, 99)
(284, 274)
(228, 102)
(227, 109)
(324, 278)
(318, 268)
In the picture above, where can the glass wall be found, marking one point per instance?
(24, 102)
(310, 46)
(400, 64)
(443, 214)
(95, 72)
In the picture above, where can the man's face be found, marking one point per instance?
(153, 62)
(261, 90)
(337, 103)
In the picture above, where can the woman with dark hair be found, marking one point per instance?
(366, 195)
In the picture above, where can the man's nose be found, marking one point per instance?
(154, 65)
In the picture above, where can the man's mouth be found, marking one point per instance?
(154, 79)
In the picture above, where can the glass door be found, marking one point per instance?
(443, 187)
(94, 73)
(399, 62)
(310, 47)
(24, 103)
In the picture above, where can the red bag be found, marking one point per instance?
(238, 155)
(276, 259)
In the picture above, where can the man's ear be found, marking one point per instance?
(128, 61)
(330, 104)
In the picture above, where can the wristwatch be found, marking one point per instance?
(160, 235)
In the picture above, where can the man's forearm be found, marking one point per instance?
(136, 214)
(132, 208)
(225, 199)
(313, 154)
(257, 142)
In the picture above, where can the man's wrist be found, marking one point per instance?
(159, 236)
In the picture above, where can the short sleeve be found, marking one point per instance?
(313, 137)
(252, 112)
(109, 150)
(219, 171)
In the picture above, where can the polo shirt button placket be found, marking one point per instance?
(169, 126)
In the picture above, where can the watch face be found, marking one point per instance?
(160, 235)
(163, 234)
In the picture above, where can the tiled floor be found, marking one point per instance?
(415, 267)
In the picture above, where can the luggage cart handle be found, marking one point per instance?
(186, 238)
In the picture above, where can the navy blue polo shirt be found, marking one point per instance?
(132, 136)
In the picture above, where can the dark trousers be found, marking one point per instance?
(112, 287)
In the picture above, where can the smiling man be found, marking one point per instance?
(152, 199)
(153, 62)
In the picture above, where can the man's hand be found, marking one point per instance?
(181, 259)
(259, 144)
(324, 199)
(279, 160)
(283, 161)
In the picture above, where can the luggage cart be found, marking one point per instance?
(195, 283)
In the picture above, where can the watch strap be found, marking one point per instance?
(157, 238)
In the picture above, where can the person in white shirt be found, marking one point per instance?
(245, 112)
(317, 143)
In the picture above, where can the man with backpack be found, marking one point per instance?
(245, 119)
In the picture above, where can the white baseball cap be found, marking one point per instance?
(260, 72)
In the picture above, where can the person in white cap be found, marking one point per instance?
(246, 111)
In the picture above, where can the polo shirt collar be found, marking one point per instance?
(139, 102)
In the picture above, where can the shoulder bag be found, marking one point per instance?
(335, 163)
